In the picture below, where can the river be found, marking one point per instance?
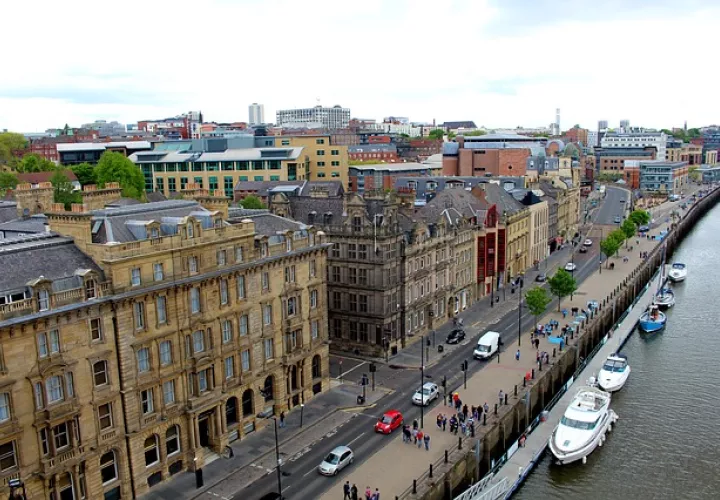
(666, 444)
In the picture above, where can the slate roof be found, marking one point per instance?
(8, 211)
(38, 177)
(155, 196)
(34, 224)
(49, 255)
(124, 202)
(311, 210)
(452, 204)
(266, 223)
(460, 124)
(504, 201)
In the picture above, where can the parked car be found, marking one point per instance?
(541, 278)
(644, 229)
(456, 336)
(487, 345)
(587, 242)
(617, 219)
(583, 249)
(570, 267)
(336, 460)
(391, 420)
(426, 394)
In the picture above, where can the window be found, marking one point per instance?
(96, 329)
(169, 392)
(108, 467)
(352, 275)
(314, 329)
(316, 367)
(244, 324)
(321, 152)
(43, 300)
(337, 300)
(336, 250)
(190, 230)
(143, 359)
(8, 459)
(147, 402)
(90, 289)
(221, 257)
(139, 315)
(39, 403)
(335, 152)
(4, 407)
(229, 367)
(288, 245)
(362, 252)
(172, 440)
(290, 274)
(269, 349)
(151, 451)
(313, 269)
(194, 300)
(248, 406)
(336, 274)
(238, 254)
(241, 287)
(158, 273)
(267, 314)
(60, 433)
(165, 352)
(42, 345)
(313, 299)
(363, 303)
(335, 164)
(198, 338)
(193, 264)
(223, 292)
(293, 338)
(363, 276)
(54, 389)
(357, 223)
(291, 306)
(54, 338)
(100, 373)
(203, 379)
(69, 385)
(319, 141)
(227, 331)
(135, 277)
(353, 302)
(321, 164)
(265, 281)
(105, 416)
(161, 306)
(245, 360)
(352, 249)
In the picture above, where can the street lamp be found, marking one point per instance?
(277, 457)
(491, 254)
(520, 281)
(422, 379)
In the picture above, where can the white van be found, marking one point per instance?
(487, 345)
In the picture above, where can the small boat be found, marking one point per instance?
(665, 298)
(678, 272)
(583, 426)
(614, 373)
(653, 320)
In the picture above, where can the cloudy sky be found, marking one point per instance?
(501, 63)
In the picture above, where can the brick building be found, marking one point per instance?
(490, 155)
(376, 152)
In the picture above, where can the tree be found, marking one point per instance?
(10, 144)
(63, 189)
(35, 163)
(694, 173)
(562, 284)
(537, 299)
(628, 228)
(252, 202)
(114, 167)
(8, 180)
(639, 217)
(609, 246)
(436, 134)
(474, 133)
(85, 173)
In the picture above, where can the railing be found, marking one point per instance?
(478, 491)
(462, 440)
(65, 456)
(68, 296)
(20, 305)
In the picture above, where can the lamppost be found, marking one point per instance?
(491, 255)
(520, 281)
(277, 457)
(422, 379)
(572, 273)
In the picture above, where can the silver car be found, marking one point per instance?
(336, 460)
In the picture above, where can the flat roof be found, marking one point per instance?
(244, 154)
(396, 167)
(101, 146)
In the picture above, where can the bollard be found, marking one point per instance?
(533, 373)
(484, 418)
(553, 352)
(414, 485)
(496, 405)
(524, 382)
(540, 365)
(506, 399)
(561, 344)
(430, 475)
(459, 442)
(515, 390)
(446, 456)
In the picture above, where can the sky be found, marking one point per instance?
(500, 63)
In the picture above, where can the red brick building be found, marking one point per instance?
(377, 152)
(490, 155)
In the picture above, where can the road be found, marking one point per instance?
(612, 206)
(300, 477)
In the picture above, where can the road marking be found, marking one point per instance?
(351, 369)
(310, 472)
(351, 442)
(218, 496)
(366, 415)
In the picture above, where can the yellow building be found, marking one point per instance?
(326, 161)
(538, 232)
(711, 157)
(152, 339)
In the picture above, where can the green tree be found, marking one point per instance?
(252, 202)
(474, 133)
(35, 163)
(10, 144)
(562, 284)
(8, 180)
(537, 299)
(639, 217)
(63, 189)
(115, 167)
(609, 246)
(436, 134)
(628, 228)
(85, 173)
(694, 173)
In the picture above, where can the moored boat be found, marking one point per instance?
(614, 373)
(678, 272)
(665, 298)
(653, 320)
(583, 426)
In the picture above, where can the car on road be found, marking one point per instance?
(336, 460)
(570, 267)
(426, 394)
(456, 336)
(644, 229)
(588, 242)
(541, 278)
(622, 200)
(617, 219)
(391, 420)
(583, 249)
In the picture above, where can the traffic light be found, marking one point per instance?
(464, 365)
(373, 368)
(427, 342)
(444, 383)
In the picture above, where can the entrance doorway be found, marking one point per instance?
(204, 430)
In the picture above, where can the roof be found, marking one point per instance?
(155, 196)
(38, 177)
(123, 202)
(48, 255)
(244, 154)
(452, 203)
(8, 211)
(504, 201)
(394, 167)
(372, 148)
(265, 222)
(35, 224)
(460, 124)
(502, 137)
(300, 188)
(101, 146)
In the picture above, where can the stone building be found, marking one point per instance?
(145, 339)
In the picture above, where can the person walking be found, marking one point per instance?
(376, 495)
(368, 493)
(354, 493)
(346, 491)
(426, 440)
(415, 433)
(404, 433)
(444, 422)
(439, 421)
(486, 408)
(517, 355)
(420, 436)
(501, 396)
(465, 412)
(282, 419)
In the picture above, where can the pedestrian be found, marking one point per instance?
(465, 412)
(346, 491)
(282, 419)
(458, 404)
(537, 356)
(415, 424)
(420, 435)
(537, 343)
(564, 313)
(479, 413)
(354, 492)
(368, 493)
(486, 408)
(426, 440)
(444, 422)
(415, 433)
(501, 396)
(376, 495)
(463, 428)
(439, 420)
(472, 429)
(517, 355)
(404, 433)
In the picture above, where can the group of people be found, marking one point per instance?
(464, 419)
(351, 492)
(415, 435)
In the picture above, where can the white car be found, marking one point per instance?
(588, 242)
(570, 267)
(336, 460)
(426, 394)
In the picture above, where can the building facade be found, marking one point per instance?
(152, 339)
(491, 154)
(663, 177)
(333, 118)
(613, 160)
(256, 114)
(370, 177)
(374, 153)
(640, 139)
(326, 161)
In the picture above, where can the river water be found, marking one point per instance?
(666, 444)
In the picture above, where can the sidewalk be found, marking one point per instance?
(482, 387)
(254, 456)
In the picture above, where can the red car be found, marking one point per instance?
(390, 421)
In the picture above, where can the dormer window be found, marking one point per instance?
(43, 299)
(218, 222)
(288, 244)
(357, 223)
(190, 231)
(264, 249)
(90, 289)
(311, 217)
(154, 232)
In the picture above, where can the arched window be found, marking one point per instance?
(172, 440)
(269, 389)
(316, 367)
(248, 405)
(151, 450)
(108, 467)
(231, 411)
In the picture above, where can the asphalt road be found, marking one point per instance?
(612, 207)
(300, 478)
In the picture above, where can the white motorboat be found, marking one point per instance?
(583, 426)
(665, 298)
(614, 373)
(678, 272)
